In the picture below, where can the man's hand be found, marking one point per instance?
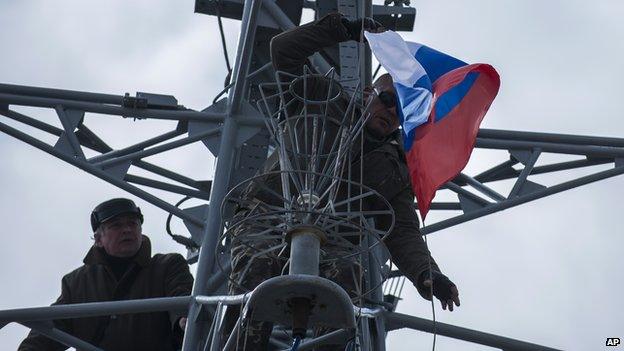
(354, 28)
(182, 322)
(443, 289)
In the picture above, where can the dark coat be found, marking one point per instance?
(148, 276)
(385, 169)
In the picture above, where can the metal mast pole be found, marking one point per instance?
(213, 225)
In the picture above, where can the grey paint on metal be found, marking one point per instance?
(588, 150)
(158, 149)
(481, 187)
(530, 187)
(522, 199)
(117, 170)
(349, 51)
(61, 94)
(467, 194)
(468, 204)
(92, 309)
(528, 167)
(97, 172)
(523, 156)
(213, 341)
(31, 122)
(212, 227)
(550, 137)
(332, 305)
(48, 330)
(204, 195)
(304, 254)
(137, 147)
(195, 230)
(70, 120)
(225, 300)
(84, 132)
(113, 110)
(219, 277)
(213, 143)
(67, 141)
(231, 341)
(399, 320)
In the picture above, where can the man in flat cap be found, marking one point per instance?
(120, 266)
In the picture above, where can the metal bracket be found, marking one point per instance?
(196, 231)
(213, 142)
(68, 142)
(118, 170)
(468, 204)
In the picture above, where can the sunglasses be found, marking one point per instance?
(386, 97)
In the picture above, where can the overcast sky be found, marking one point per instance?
(548, 272)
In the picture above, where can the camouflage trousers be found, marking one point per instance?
(254, 263)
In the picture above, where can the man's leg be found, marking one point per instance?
(347, 273)
(250, 267)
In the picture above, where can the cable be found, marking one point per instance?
(435, 324)
(183, 240)
(223, 44)
(376, 71)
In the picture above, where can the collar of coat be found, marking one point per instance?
(142, 258)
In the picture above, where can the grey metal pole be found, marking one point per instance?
(61, 94)
(137, 147)
(492, 208)
(100, 174)
(589, 150)
(212, 228)
(305, 248)
(204, 195)
(157, 149)
(399, 320)
(117, 110)
(550, 137)
(92, 309)
(60, 336)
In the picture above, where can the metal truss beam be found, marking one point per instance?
(399, 320)
(526, 148)
(195, 327)
(39, 318)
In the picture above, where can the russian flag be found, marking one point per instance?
(442, 102)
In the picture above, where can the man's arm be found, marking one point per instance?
(38, 342)
(405, 243)
(178, 282)
(410, 253)
(290, 49)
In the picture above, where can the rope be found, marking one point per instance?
(435, 324)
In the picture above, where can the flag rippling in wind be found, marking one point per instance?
(441, 103)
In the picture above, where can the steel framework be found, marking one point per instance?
(233, 130)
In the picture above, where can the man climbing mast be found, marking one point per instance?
(384, 170)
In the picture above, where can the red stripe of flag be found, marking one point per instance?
(441, 150)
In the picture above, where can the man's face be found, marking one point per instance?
(120, 236)
(384, 119)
